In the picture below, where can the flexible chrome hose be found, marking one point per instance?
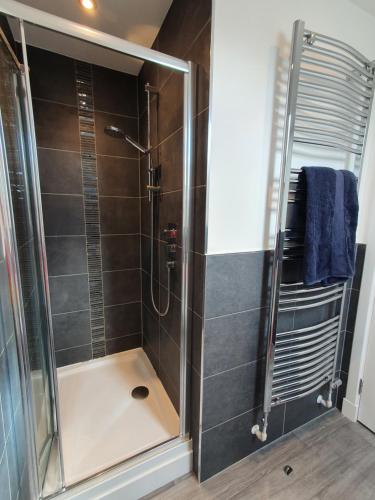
(165, 312)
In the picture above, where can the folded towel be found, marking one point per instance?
(331, 224)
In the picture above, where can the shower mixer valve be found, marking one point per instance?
(171, 237)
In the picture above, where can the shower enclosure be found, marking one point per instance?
(100, 305)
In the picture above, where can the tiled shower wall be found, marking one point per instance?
(91, 205)
(235, 328)
(185, 33)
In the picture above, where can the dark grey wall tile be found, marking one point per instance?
(170, 106)
(115, 92)
(146, 292)
(172, 321)
(200, 54)
(121, 320)
(123, 343)
(201, 131)
(303, 410)
(231, 441)
(119, 215)
(73, 355)
(359, 263)
(56, 125)
(106, 145)
(234, 340)
(197, 282)
(170, 358)
(118, 176)
(170, 156)
(120, 252)
(352, 312)
(239, 388)
(60, 171)
(199, 219)
(52, 76)
(196, 333)
(236, 282)
(63, 215)
(69, 293)
(66, 255)
(169, 386)
(71, 329)
(121, 287)
(171, 211)
(151, 342)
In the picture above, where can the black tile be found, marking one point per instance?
(56, 125)
(239, 388)
(182, 24)
(151, 342)
(200, 55)
(352, 312)
(234, 340)
(172, 321)
(52, 76)
(73, 355)
(66, 255)
(145, 217)
(194, 417)
(121, 287)
(196, 341)
(199, 219)
(197, 280)
(118, 176)
(228, 443)
(347, 351)
(171, 163)
(60, 171)
(359, 263)
(119, 215)
(236, 282)
(123, 343)
(175, 273)
(170, 358)
(170, 106)
(112, 146)
(114, 91)
(201, 145)
(69, 293)
(170, 388)
(120, 252)
(71, 329)
(63, 215)
(146, 292)
(123, 319)
(303, 410)
(341, 390)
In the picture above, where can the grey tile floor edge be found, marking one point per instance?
(331, 458)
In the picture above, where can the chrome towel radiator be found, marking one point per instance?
(329, 100)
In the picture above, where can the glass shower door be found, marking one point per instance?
(17, 163)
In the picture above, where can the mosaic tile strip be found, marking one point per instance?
(91, 204)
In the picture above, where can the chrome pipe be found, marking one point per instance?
(341, 137)
(316, 334)
(297, 355)
(328, 123)
(316, 339)
(330, 112)
(337, 56)
(322, 379)
(337, 81)
(309, 306)
(282, 400)
(329, 349)
(329, 144)
(301, 367)
(338, 69)
(315, 374)
(310, 290)
(333, 102)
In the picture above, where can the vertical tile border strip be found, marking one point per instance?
(85, 102)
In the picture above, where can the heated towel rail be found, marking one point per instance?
(329, 100)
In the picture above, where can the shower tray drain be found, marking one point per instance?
(140, 392)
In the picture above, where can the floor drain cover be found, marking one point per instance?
(140, 392)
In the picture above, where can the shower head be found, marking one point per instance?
(113, 131)
(117, 133)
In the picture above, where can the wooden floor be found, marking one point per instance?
(331, 458)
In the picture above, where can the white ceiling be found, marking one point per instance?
(136, 20)
(367, 5)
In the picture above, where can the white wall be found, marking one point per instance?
(249, 38)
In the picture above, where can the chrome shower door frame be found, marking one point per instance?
(37, 17)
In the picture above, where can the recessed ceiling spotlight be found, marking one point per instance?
(88, 4)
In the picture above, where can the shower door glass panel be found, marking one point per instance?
(28, 252)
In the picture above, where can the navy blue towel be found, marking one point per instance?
(331, 224)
